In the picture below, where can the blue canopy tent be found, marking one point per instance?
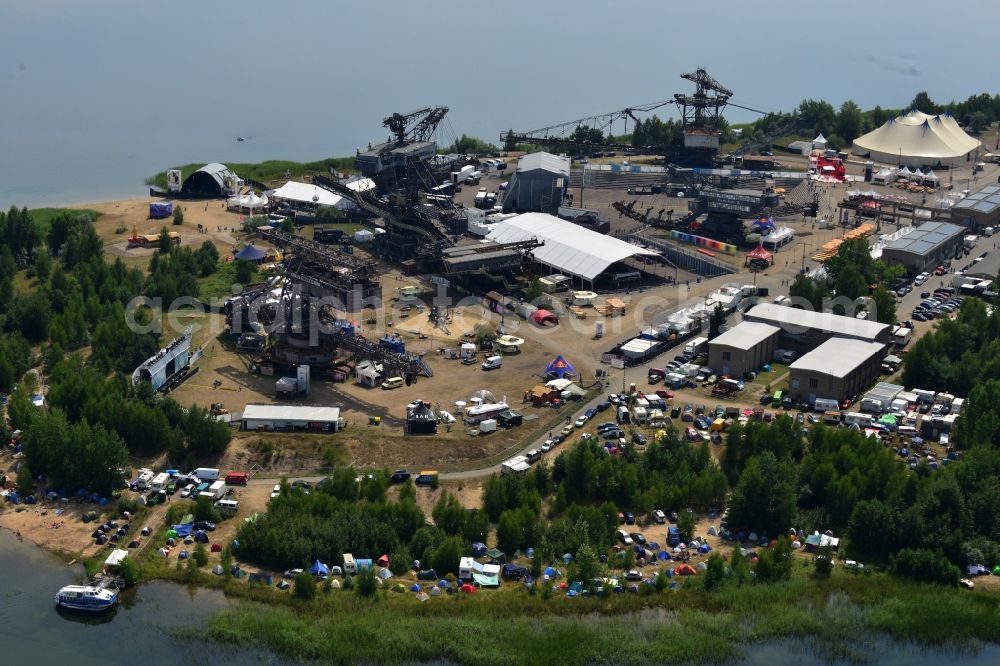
(184, 529)
(319, 569)
(250, 253)
(479, 549)
(560, 367)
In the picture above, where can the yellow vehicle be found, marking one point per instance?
(392, 383)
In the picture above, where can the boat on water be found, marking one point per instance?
(86, 598)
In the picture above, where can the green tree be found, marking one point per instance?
(25, 481)
(244, 271)
(851, 283)
(200, 554)
(715, 574)
(305, 586)
(128, 571)
(923, 102)
(178, 215)
(871, 532)
(509, 531)
(686, 522)
(823, 562)
(849, 121)
(534, 290)
(820, 113)
(288, 225)
(764, 498)
(164, 243)
(447, 556)
(587, 563)
(925, 565)
(367, 582)
(884, 305)
(808, 290)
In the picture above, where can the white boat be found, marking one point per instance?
(86, 598)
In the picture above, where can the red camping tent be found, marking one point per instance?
(383, 561)
(544, 318)
(684, 570)
(468, 589)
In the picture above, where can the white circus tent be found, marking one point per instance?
(917, 139)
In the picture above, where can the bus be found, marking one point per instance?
(778, 396)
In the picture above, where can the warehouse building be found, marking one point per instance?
(538, 184)
(805, 330)
(743, 348)
(926, 247)
(979, 210)
(836, 369)
(292, 417)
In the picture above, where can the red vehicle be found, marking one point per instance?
(237, 478)
(939, 270)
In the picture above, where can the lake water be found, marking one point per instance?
(142, 630)
(98, 95)
(146, 628)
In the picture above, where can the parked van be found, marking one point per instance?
(227, 505)
(492, 362)
(826, 405)
(533, 456)
(623, 415)
(206, 473)
(237, 478)
(392, 383)
(350, 566)
(776, 400)
(831, 417)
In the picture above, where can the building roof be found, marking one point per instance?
(987, 268)
(985, 201)
(918, 135)
(789, 319)
(306, 193)
(926, 238)
(745, 335)
(291, 413)
(837, 357)
(567, 247)
(545, 162)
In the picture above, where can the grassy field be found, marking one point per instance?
(43, 216)
(219, 284)
(510, 626)
(269, 172)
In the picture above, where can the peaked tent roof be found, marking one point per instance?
(759, 253)
(567, 247)
(919, 137)
(250, 253)
(545, 162)
(560, 367)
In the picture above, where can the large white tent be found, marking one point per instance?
(917, 139)
(567, 247)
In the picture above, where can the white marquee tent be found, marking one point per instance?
(247, 203)
(917, 139)
(568, 247)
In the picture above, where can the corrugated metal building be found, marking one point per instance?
(838, 368)
(745, 347)
(927, 246)
(538, 184)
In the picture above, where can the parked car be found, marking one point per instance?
(629, 518)
(291, 573)
(206, 525)
(624, 537)
(187, 490)
(766, 399)
(638, 538)
(581, 421)
(639, 438)
(633, 576)
(659, 517)
(613, 399)
(399, 476)
(547, 445)
(276, 490)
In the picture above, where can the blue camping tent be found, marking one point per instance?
(560, 367)
(319, 569)
(250, 253)
(479, 549)
(551, 572)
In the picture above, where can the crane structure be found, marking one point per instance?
(415, 126)
(403, 163)
(701, 115)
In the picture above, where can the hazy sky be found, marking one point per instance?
(100, 94)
